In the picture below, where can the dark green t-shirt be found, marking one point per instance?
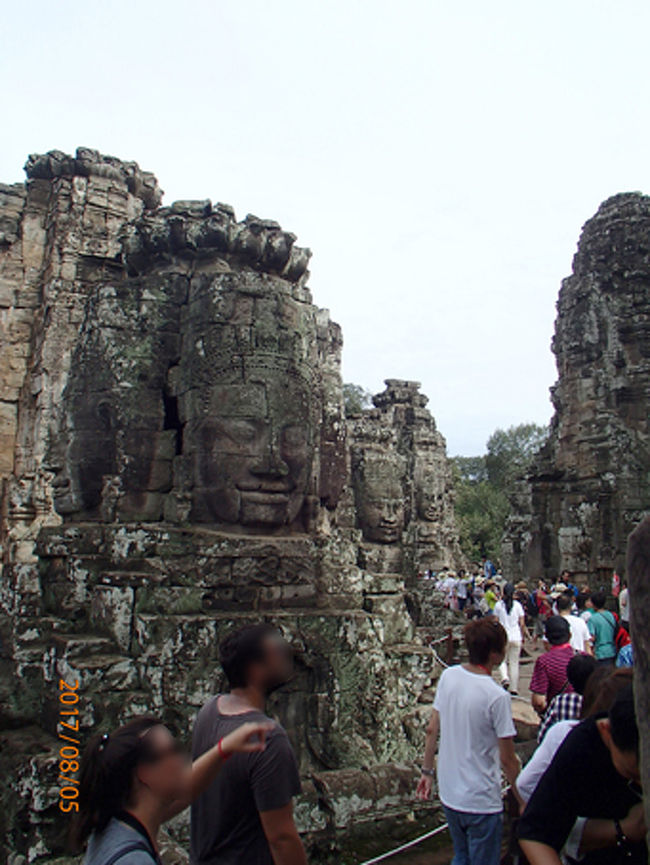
(226, 827)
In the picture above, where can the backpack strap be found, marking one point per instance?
(130, 848)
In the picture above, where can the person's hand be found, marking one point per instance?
(634, 824)
(423, 790)
(246, 739)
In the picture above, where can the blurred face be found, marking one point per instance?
(277, 666)
(163, 772)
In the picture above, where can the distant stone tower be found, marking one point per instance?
(590, 484)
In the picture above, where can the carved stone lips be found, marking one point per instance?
(266, 497)
(266, 493)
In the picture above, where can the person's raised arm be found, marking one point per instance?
(248, 738)
(425, 783)
(282, 835)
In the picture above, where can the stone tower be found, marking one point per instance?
(174, 461)
(590, 484)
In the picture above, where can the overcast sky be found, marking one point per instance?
(438, 157)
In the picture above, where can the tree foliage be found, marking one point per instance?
(355, 398)
(484, 482)
(510, 451)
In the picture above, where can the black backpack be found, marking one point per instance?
(531, 606)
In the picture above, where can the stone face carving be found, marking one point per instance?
(402, 483)
(174, 461)
(380, 498)
(590, 484)
(250, 401)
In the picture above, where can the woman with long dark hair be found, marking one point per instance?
(136, 778)
(510, 614)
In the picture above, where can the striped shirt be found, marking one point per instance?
(549, 675)
(564, 707)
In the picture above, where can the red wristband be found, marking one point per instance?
(223, 756)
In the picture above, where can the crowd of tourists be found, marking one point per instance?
(579, 797)
(543, 613)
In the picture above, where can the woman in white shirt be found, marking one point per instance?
(511, 615)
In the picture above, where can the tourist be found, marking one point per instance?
(602, 626)
(510, 614)
(136, 778)
(522, 595)
(246, 815)
(624, 606)
(472, 715)
(488, 569)
(491, 597)
(584, 605)
(600, 691)
(461, 591)
(543, 605)
(625, 657)
(591, 789)
(567, 706)
(580, 636)
(549, 675)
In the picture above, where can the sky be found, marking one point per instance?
(439, 158)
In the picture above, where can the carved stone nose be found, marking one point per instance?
(270, 466)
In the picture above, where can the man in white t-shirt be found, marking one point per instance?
(624, 606)
(473, 717)
(580, 636)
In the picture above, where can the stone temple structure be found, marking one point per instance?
(175, 461)
(590, 484)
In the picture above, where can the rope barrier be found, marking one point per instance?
(407, 846)
(438, 831)
(437, 657)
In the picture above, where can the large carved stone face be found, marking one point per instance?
(252, 457)
(83, 456)
(380, 501)
(429, 500)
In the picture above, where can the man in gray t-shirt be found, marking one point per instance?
(246, 815)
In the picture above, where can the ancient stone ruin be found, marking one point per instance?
(590, 484)
(174, 461)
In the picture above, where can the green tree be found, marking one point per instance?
(481, 511)
(483, 483)
(355, 398)
(509, 452)
(470, 469)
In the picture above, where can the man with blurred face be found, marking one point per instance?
(594, 780)
(247, 813)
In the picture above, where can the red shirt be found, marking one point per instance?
(549, 675)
